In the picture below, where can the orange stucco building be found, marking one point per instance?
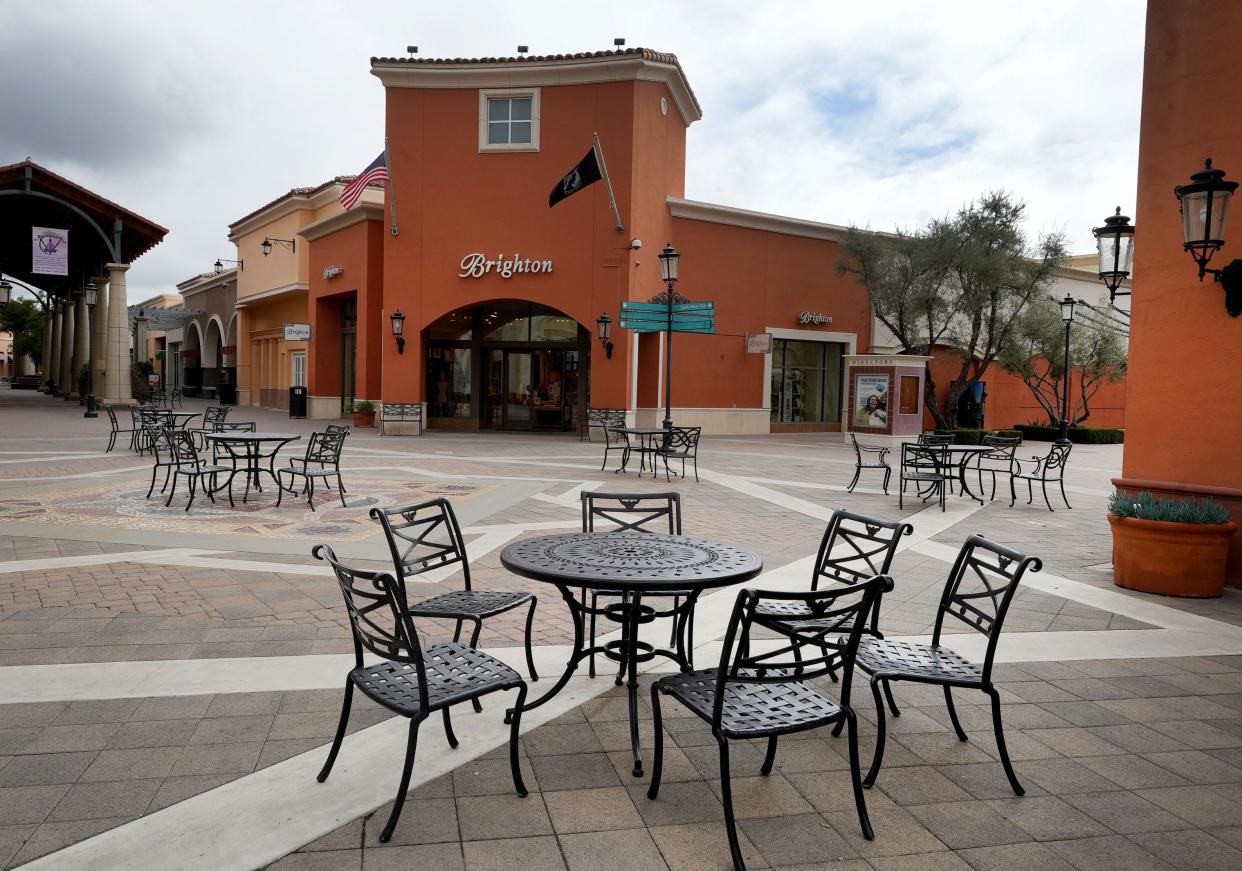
(1182, 435)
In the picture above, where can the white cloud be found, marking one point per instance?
(886, 113)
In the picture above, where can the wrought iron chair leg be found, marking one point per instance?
(860, 799)
(190, 501)
(594, 604)
(857, 472)
(881, 727)
(340, 488)
(672, 635)
(1000, 740)
(167, 472)
(726, 797)
(280, 488)
(657, 752)
(957, 726)
(515, 765)
(1064, 497)
(457, 632)
(340, 733)
(1013, 493)
(1043, 485)
(530, 654)
(769, 757)
(888, 694)
(474, 645)
(1030, 493)
(690, 640)
(696, 465)
(888, 473)
(407, 768)
(151, 489)
(448, 728)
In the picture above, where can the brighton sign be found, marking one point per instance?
(476, 265)
(814, 318)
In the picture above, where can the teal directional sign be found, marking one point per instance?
(650, 317)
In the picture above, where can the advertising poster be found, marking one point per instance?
(871, 400)
(50, 249)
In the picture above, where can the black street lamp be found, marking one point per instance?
(604, 325)
(92, 297)
(220, 261)
(669, 261)
(268, 241)
(6, 292)
(1116, 244)
(398, 329)
(1067, 315)
(1205, 206)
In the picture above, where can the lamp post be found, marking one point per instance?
(398, 329)
(1067, 315)
(604, 325)
(669, 261)
(92, 297)
(1205, 207)
(1116, 245)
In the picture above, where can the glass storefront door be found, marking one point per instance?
(518, 404)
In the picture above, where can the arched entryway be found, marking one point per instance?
(191, 376)
(507, 364)
(212, 359)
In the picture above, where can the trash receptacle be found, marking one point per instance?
(227, 394)
(297, 402)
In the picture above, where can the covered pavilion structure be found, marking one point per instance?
(104, 240)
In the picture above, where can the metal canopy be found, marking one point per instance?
(164, 318)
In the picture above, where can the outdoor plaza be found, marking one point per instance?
(172, 679)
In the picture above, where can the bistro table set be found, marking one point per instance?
(621, 569)
(653, 444)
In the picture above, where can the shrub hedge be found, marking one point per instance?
(1082, 435)
(970, 436)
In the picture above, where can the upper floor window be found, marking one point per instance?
(509, 120)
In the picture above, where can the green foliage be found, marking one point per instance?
(1082, 435)
(24, 320)
(362, 406)
(1172, 509)
(139, 386)
(969, 436)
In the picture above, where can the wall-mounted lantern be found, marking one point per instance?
(604, 325)
(1205, 207)
(398, 330)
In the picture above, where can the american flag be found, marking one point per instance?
(376, 171)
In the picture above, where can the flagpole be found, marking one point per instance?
(389, 191)
(599, 155)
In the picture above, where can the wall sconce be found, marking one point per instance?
(398, 330)
(1205, 206)
(267, 243)
(604, 326)
(220, 261)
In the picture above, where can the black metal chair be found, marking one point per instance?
(322, 460)
(853, 550)
(165, 456)
(928, 467)
(615, 439)
(681, 443)
(188, 465)
(764, 695)
(634, 512)
(410, 680)
(1050, 468)
(425, 536)
(337, 428)
(862, 455)
(150, 420)
(931, 438)
(174, 398)
(978, 592)
(213, 418)
(998, 460)
(117, 429)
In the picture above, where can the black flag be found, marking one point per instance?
(585, 173)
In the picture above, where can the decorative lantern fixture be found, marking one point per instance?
(1116, 243)
(268, 242)
(92, 293)
(669, 259)
(398, 330)
(220, 261)
(604, 325)
(1067, 308)
(6, 291)
(1205, 207)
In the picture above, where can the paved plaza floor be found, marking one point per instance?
(170, 680)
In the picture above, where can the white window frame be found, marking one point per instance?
(294, 359)
(486, 94)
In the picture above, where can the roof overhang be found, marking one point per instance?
(207, 281)
(694, 210)
(339, 221)
(272, 294)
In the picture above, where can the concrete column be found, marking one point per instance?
(81, 339)
(116, 389)
(100, 331)
(49, 326)
(58, 324)
(65, 387)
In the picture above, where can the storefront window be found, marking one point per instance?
(806, 381)
(456, 327)
(448, 374)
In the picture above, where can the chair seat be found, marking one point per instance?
(865, 464)
(752, 709)
(204, 468)
(912, 475)
(905, 659)
(455, 673)
(469, 603)
(1034, 477)
(311, 471)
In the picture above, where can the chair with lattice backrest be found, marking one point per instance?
(869, 457)
(321, 460)
(681, 443)
(933, 438)
(189, 465)
(760, 690)
(213, 417)
(854, 549)
(160, 442)
(980, 587)
(425, 536)
(411, 680)
(927, 466)
(1048, 468)
(998, 459)
(117, 429)
(640, 512)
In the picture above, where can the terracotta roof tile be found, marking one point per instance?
(300, 192)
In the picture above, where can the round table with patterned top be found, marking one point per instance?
(633, 563)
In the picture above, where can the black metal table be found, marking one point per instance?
(633, 563)
(966, 452)
(248, 447)
(647, 437)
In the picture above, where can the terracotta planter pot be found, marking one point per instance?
(1171, 559)
(363, 418)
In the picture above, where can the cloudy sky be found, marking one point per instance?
(882, 114)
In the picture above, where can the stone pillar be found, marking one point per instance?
(116, 389)
(65, 385)
(81, 340)
(58, 324)
(100, 328)
(49, 326)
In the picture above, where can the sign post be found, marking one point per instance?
(669, 313)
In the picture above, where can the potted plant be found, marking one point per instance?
(1171, 546)
(363, 413)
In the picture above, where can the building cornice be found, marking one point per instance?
(694, 210)
(272, 293)
(341, 220)
(395, 73)
(294, 203)
(207, 281)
